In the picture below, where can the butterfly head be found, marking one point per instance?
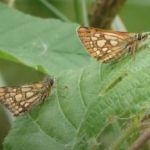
(49, 81)
(141, 36)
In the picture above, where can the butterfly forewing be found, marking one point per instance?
(107, 45)
(22, 98)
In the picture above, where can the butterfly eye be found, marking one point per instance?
(49, 80)
(141, 36)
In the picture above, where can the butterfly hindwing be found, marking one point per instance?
(22, 98)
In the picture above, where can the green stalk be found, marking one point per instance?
(55, 10)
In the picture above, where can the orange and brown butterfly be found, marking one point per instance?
(20, 99)
(105, 45)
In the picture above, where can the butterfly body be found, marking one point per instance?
(22, 98)
(107, 45)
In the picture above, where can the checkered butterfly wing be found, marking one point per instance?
(22, 98)
(107, 45)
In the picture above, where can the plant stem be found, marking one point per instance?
(81, 12)
(104, 12)
(55, 10)
(84, 13)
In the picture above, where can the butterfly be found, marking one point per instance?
(108, 45)
(20, 99)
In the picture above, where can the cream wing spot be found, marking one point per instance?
(109, 51)
(20, 109)
(91, 42)
(32, 99)
(38, 85)
(7, 95)
(22, 103)
(91, 45)
(18, 97)
(29, 94)
(97, 35)
(9, 100)
(93, 38)
(25, 89)
(9, 89)
(104, 49)
(97, 52)
(26, 104)
(110, 56)
(14, 90)
(109, 37)
(12, 94)
(113, 42)
(100, 55)
(101, 43)
(95, 49)
(16, 107)
(16, 112)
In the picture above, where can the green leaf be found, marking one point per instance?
(40, 42)
(84, 102)
(89, 100)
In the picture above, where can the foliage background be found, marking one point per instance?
(22, 62)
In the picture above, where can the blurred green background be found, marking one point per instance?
(135, 15)
(131, 13)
